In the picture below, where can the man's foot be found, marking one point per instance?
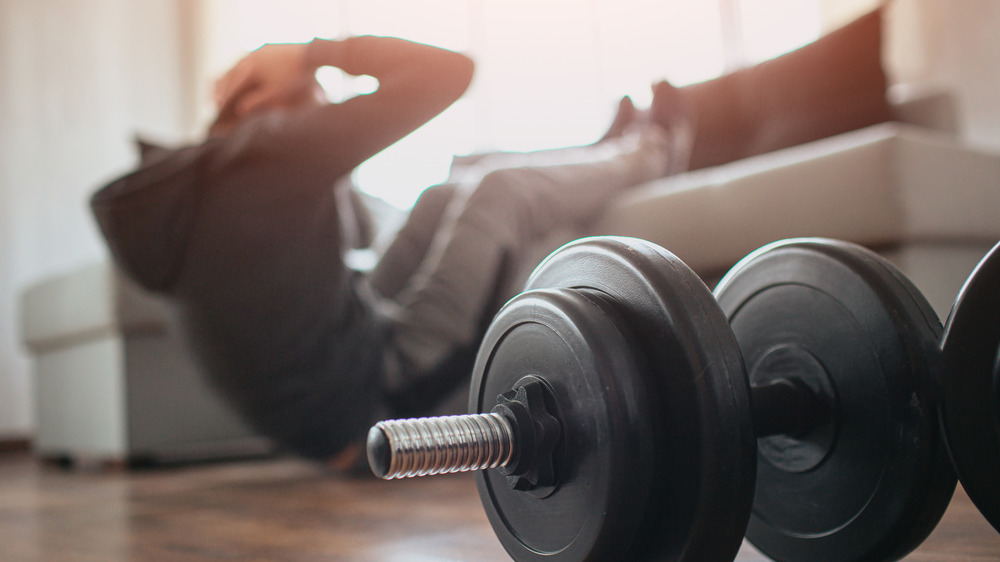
(624, 118)
(347, 460)
(672, 112)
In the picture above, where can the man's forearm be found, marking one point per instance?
(416, 83)
(392, 60)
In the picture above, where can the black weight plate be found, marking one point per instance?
(575, 343)
(872, 483)
(657, 455)
(971, 411)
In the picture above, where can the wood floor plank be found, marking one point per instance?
(289, 510)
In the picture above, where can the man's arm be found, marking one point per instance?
(416, 82)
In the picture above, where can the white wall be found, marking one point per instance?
(77, 77)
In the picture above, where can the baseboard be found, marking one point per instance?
(14, 445)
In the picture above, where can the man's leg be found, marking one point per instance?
(443, 308)
(410, 245)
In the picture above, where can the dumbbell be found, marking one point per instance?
(629, 413)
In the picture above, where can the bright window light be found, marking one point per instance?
(549, 73)
(774, 27)
(285, 21)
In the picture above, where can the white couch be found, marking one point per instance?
(114, 380)
(909, 189)
(916, 194)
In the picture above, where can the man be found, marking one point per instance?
(247, 234)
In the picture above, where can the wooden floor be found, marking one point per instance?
(287, 510)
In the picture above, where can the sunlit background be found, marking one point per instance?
(80, 77)
(549, 72)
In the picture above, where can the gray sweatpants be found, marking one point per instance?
(444, 268)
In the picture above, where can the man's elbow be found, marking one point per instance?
(464, 70)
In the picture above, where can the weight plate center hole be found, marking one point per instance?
(809, 418)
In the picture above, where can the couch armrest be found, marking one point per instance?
(87, 303)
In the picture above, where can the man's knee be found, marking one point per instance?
(436, 196)
(503, 191)
(430, 207)
(512, 200)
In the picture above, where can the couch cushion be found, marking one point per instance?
(833, 85)
(884, 185)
